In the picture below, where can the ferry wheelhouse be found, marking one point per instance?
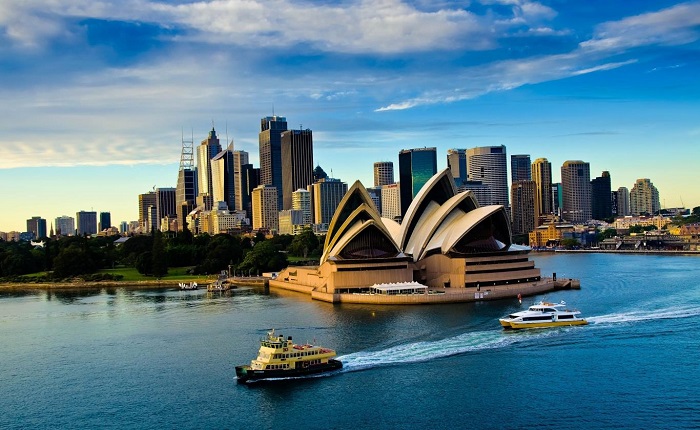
(281, 358)
(543, 314)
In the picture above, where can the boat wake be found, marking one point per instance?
(429, 350)
(659, 314)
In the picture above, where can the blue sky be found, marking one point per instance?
(96, 95)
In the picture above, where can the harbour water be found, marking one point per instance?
(121, 358)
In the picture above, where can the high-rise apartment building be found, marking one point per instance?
(205, 152)
(623, 201)
(601, 197)
(265, 213)
(297, 163)
(541, 173)
(524, 211)
(165, 205)
(481, 191)
(240, 159)
(270, 140)
(416, 167)
(557, 198)
(223, 177)
(489, 166)
(87, 222)
(65, 226)
(520, 167)
(301, 201)
(105, 221)
(457, 163)
(391, 201)
(36, 225)
(576, 190)
(383, 173)
(644, 198)
(326, 195)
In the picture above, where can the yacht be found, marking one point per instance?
(543, 314)
(281, 358)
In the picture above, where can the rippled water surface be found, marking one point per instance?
(119, 358)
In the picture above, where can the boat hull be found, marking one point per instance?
(245, 374)
(526, 325)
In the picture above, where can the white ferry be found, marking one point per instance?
(281, 358)
(543, 314)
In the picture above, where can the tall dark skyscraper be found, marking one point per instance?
(576, 191)
(416, 166)
(105, 221)
(87, 222)
(297, 163)
(205, 152)
(520, 167)
(601, 197)
(270, 140)
(37, 226)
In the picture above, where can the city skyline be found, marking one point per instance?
(97, 100)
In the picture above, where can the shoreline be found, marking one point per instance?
(154, 284)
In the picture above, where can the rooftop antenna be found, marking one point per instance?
(187, 154)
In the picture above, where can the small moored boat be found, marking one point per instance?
(190, 286)
(543, 314)
(281, 358)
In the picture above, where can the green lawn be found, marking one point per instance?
(174, 274)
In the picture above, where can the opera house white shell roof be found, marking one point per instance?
(439, 220)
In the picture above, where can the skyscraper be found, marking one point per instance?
(87, 222)
(270, 140)
(601, 197)
(297, 163)
(520, 167)
(65, 226)
(165, 204)
(223, 177)
(147, 201)
(623, 201)
(105, 221)
(416, 166)
(524, 211)
(542, 175)
(186, 189)
(205, 152)
(457, 163)
(576, 189)
(489, 165)
(240, 159)
(326, 195)
(383, 173)
(301, 201)
(37, 226)
(265, 213)
(644, 198)
(391, 201)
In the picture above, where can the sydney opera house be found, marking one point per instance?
(446, 249)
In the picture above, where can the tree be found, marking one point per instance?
(570, 243)
(73, 261)
(264, 257)
(304, 243)
(159, 260)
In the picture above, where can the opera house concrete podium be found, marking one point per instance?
(447, 249)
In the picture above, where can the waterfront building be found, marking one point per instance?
(297, 163)
(489, 166)
(270, 141)
(550, 234)
(241, 193)
(644, 198)
(416, 167)
(446, 241)
(622, 196)
(146, 221)
(383, 173)
(520, 169)
(206, 150)
(264, 202)
(87, 222)
(326, 194)
(105, 221)
(36, 225)
(601, 197)
(391, 201)
(457, 163)
(541, 173)
(223, 179)
(65, 225)
(524, 212)
(576, 190)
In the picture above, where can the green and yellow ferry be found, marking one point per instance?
(281, 358)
